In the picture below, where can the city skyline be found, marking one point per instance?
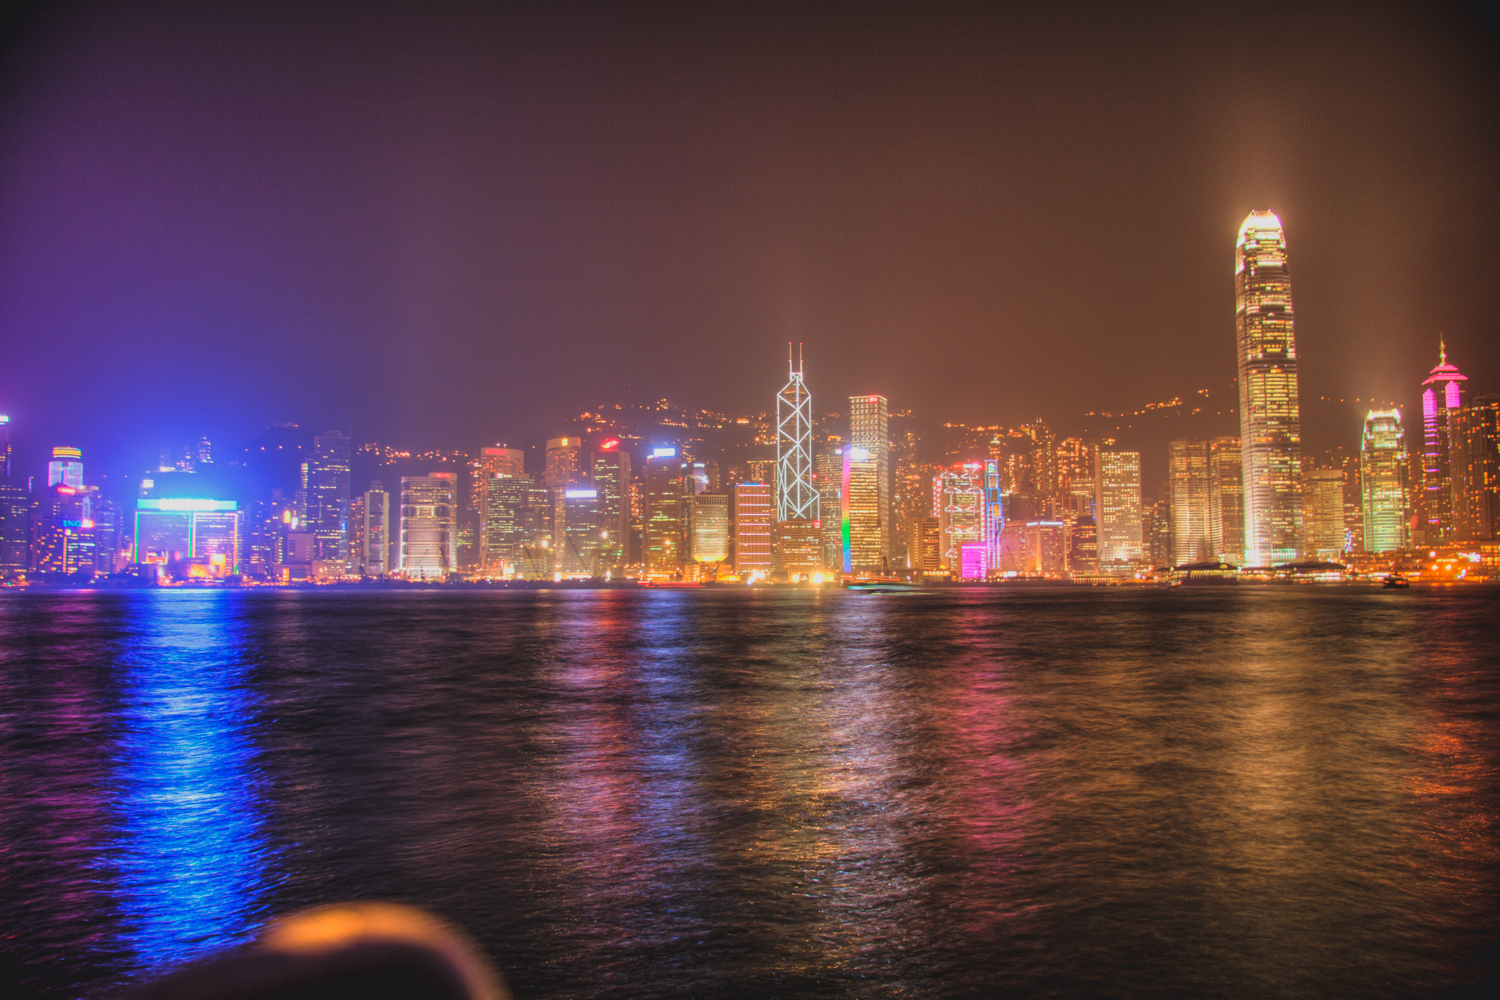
(378, 246)
(713, 497)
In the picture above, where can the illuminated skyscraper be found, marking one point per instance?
(1383, 479)
(328, 496)
(429, 526)
(1118, 502)
(506, 499)
(199, 537)
(667, 489)
(1226, 499)
(66, 467)
(829, 479)
(959, 501)
(15, 511)
(994, 509)
(924, 546)
(62, 536)
(562, 462)
(1270, 421)
(563, 471)
(1074, 466)
(870, 542)
(752, 528)
(577, 555)
(796, 496)
(1323, 513)
(498, 460)
(1442, 397)
(1192, 488)
(798, 548)
(611, 477)
(1476, 470)
(535, 536)
(710, 528)
(1083, 546)
(375, 560)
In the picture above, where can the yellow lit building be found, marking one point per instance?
(1270, 417)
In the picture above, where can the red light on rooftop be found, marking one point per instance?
(610, 445)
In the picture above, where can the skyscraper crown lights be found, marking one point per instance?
(1261, 221)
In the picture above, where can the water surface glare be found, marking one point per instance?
(1247, 792)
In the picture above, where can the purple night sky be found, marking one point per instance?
(445, 224)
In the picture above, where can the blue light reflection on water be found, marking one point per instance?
(190, 861)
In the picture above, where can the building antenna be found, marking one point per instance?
(1442, 350)
(799, 356)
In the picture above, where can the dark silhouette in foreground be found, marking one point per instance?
(365, 950)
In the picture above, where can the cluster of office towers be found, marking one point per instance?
(1258, 500)
(861, 503)
(865, 505)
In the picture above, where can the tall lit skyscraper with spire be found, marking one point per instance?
(796, 497)
(1270, 420)
(1442, 397)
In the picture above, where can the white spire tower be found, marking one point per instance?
(796, 497)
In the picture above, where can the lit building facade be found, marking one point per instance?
(924, 546)
(1043, 549)
(328, 497)
(1323, 513)
(196, 537)
(1118, 505)
(375, 559)
(710, 528)
(1192, 491)
(753, 548)
(959, 501)
(429, 526)
(499, 460)
(15, 526)
(506, 499)
(562, 462)
(1083, 546)
(535, 558)
(1270, 415)
(667, 490)
(869, 430)
(1226, 499)
(61, 531)
(1476, 470)
(611, 477)
(828, 477)
(798, 548)
(864, 545)
(1075, 462)
(973, 562)
(993, 512)
(796, 495)
(66, 467)
(1383, 481)
(1442, 398)
(581, 540)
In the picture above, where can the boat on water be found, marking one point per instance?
(882, 587)
(1200, 574)
(1396, 581)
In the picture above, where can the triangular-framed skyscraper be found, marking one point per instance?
(796, 496)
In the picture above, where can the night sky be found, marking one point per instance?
(444, 225)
